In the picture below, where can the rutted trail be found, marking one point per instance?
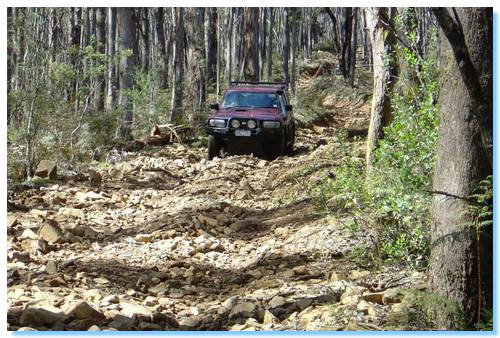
(168, 240)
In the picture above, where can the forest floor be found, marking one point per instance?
(170, 241)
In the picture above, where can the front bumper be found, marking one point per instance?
(256, 134)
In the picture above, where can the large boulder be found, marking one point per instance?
(82, 310)
(51, 232)
(47, 169)
(34, 316)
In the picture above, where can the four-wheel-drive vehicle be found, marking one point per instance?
(256, 113)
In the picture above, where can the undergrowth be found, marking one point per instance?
(392, 201)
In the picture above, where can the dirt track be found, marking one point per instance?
(170, 241)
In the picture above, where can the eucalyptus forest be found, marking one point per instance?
(122, 216)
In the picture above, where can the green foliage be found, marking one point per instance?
(422, 307)
(150, 106)
(343, 188)
(404, 162)
(487, 323)
(480, 208)
(393, 197)
(49, 120)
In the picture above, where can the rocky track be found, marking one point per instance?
(166, 240)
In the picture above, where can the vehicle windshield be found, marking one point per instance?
(251, 100)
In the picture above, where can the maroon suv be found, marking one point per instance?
(256, 113)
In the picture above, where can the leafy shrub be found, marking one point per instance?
(394, 198)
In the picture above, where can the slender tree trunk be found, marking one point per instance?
(335, 33)
(144, 34)
(366, 50)
(270, 46)
(211, 43)
(294, 51)
(230, 47)
(110, 101)
(200, 55)
(344, 61)
(160, 33)
(11, 64)
(127, 35)
(101, 43)
(218, 55)
(354, 47)
(384, 76)
(262, 45)
(286, 45)
(178, 65)
(461, 263)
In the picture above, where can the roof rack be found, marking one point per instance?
(282, 85)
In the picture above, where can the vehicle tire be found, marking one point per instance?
(289, 146)
(277, 147)
(214, 147)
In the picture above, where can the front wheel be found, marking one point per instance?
(289, 146)
(214, 147)
(276, 148)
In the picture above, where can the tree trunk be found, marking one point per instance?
(251, 37)
(270, 46)
(211, 43)
(111, 54)
(366, 51)
(294, 52)
(10, 51)
(262, 42)
(286, 45)
(335, 33)
(178, 65)
(354, 46)
(218, 54)
(144, 30)
(344, 61)
(460, 265)
(384, 77)
(101, 42)
(230, 47)
(163, 60)
(126, 34)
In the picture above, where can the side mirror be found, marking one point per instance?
(214, 106)
(289, 107)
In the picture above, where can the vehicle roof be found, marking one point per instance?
(255, 89)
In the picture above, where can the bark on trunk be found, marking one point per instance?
(354, 46)
(126, 33)
(101, 42)
(229, 55)
(178, 65)
(345, 53)
(211, 43)
(460, 265)
(251, 37)
(111, 87)
(270, 46)
(162, 57)
(294, 51)
(286, 45)
(262, 42)
(335, 33)
(144, 46)
(384, 77)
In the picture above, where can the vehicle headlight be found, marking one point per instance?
(271, 124)
(251, 124)
(217, 123)
(235, 123)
